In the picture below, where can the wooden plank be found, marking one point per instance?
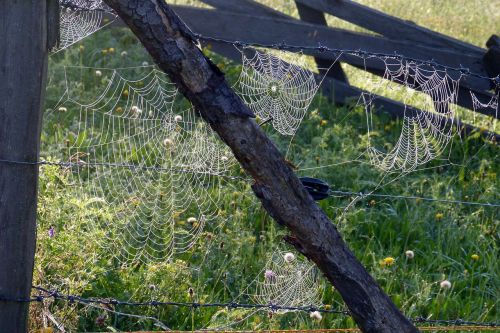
(310, 15)
(491, 60)
(23, 63)
(246, 7)
(342, 93)
(389, 26)
(220, 24)
(234, 26)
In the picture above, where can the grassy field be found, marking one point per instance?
(451, 242)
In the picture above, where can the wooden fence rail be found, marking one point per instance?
(249, 21)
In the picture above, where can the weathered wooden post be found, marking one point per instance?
(25, 39)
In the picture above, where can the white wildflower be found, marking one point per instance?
(445, 284)
(410, 254)
(289, 257)
(316, 315)
(124, 53)
(145, 63)
(178, 118)
(192, 220)
(98, 73)
(62, 109)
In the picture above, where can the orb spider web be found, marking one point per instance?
(151, 176)
(289, 281)
(276, 91)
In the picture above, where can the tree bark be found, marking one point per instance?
(24, 42)
(170, 43)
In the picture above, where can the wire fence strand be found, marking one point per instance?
(331, 192)
(45, 294)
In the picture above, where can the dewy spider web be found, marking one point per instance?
(425, 132)
(152, 176)
(276, 90)
(491, 104)
(80, 19)
(286, 281)
(289, 281)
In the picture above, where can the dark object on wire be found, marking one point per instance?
(317, 188)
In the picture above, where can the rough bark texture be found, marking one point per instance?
(24, 40)
(278, 188)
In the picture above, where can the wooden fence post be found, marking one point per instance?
(311, 15)
(24, 41)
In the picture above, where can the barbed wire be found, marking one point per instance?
(56, 295)
(330, 192)
(357, 52)
(44, 294)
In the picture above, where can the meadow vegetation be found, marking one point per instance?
(458, 243)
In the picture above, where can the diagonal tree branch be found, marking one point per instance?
(170, 43)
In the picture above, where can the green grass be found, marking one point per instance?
(232, 252)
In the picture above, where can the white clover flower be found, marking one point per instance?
(145, 63)
(168, 142)
(124, 53)
(98, 73)
(410, 254)
(289, 257)
(316, 315)
(178, 118)
(445, 284)
(192, 220)
(62, 109)
(151, 114)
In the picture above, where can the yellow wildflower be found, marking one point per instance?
(387, 261)
(111, 50)
(125, 93)
(323, 122)
(475, 257)
(439, 216)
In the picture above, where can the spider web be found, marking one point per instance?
(289, 282)
(276, 90)
(426, 131)
(152, 177)
(80, 19)
(491, 104)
